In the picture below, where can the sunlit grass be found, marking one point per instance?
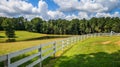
(92, 52)
(27, 36)
(20, 35)
(25, 40)
(85, 53)
(15, 46)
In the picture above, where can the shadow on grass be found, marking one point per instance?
(46, 37)
(49, 62)
(32, 39)
(44, 62)
(11, 40)
(100, 59)
(2, 36)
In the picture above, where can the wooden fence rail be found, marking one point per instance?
(45, 50)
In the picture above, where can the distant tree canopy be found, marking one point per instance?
(62, 26)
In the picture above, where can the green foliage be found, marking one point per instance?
(36, 24)
(62, 26)
(9, 28)
(1, 20)
(19, 23)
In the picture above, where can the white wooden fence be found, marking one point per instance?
(44, 50)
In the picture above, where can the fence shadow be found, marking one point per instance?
(49, 62)
(100, 59)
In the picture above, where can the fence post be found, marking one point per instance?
(79, 38)
(72, 40)
(40, 50)
(54, 48)
(62, 45)
(67, 42)
(75, 39)
(95, 34)
(92, 35)
(6, 62)
(87, 35)
(84, 36)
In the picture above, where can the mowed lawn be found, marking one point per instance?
(24, 40)
(92, 52)
(20, 35)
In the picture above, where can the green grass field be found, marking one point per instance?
(92, 52)
(28, 36)
(24, 40)
(21, 35)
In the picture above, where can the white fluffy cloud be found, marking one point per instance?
(85, 9)
(88, 5)
(56, 14)
(89, 8)
(70, 17)
(116, 14)
(82, 15)
(13, 8)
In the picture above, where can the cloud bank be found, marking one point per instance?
(85, 9)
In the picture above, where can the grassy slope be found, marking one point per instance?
(27, 39)
(28, 36)
(21, 35)
(93, 52)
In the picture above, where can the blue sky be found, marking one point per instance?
(51, 5)
(64, 9)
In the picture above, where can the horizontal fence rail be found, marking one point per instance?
(44, 51)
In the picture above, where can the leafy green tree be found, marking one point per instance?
(37, 24)
(1, 20)
(9, 28)
(75, 26)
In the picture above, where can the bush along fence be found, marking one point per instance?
(39, 53)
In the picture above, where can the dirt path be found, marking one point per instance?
(118, 43)
(106, 42)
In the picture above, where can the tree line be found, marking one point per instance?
(60, 26)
